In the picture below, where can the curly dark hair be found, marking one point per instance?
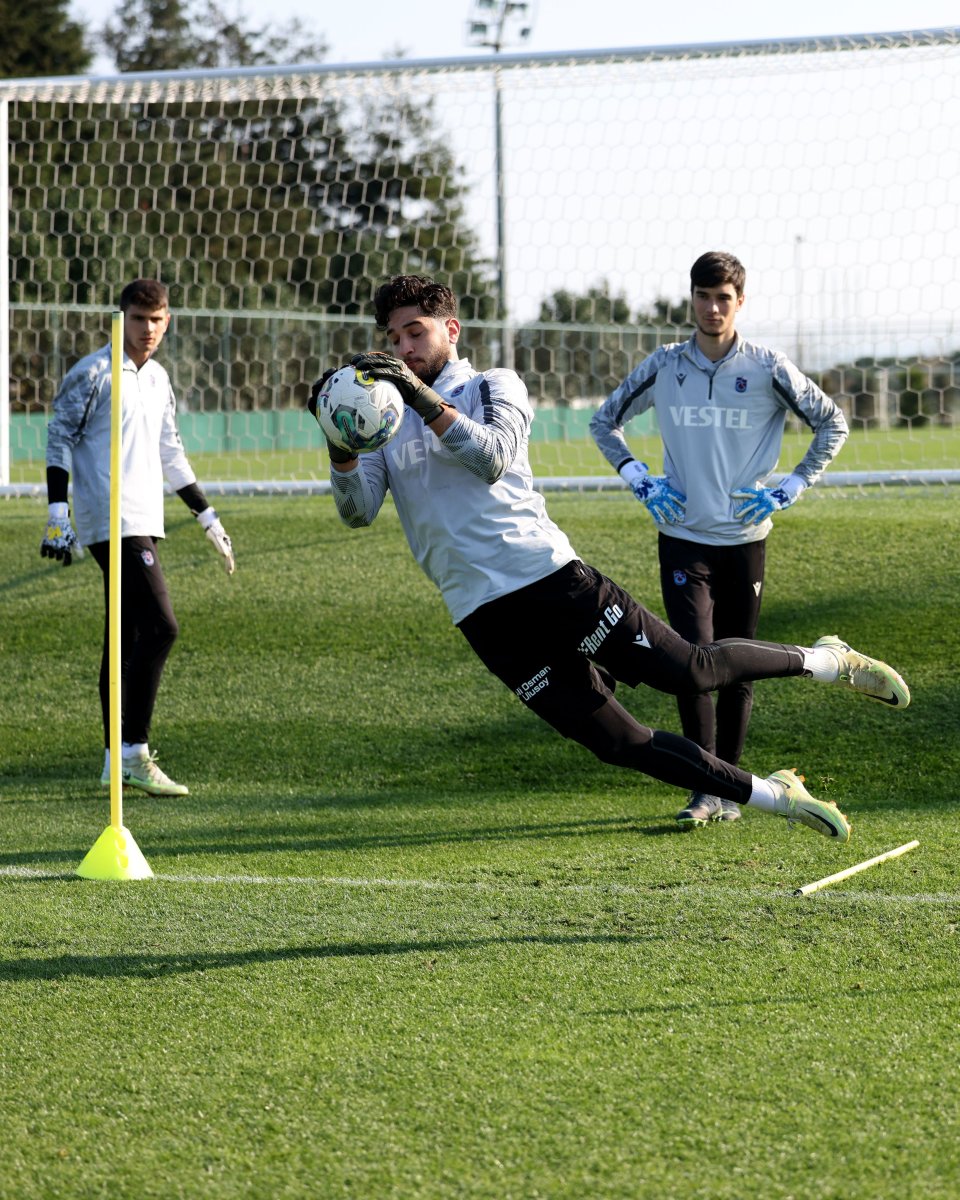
(432, 298)
(717, 267)
(145, 293)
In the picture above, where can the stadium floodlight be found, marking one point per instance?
(497, 24)
(494, 25)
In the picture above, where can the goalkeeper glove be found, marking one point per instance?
(759, 503)
(664, 503)
(336, 454)
(59, 540)
(215, 531)
(422, 399)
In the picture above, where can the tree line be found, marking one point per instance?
(240, 205)
(41, 38)
(249, 205)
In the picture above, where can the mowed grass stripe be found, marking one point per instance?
(693, 890)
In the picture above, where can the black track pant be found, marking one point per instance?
(711, 593)
(563, 643)
(148, 629)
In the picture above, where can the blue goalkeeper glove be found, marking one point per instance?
(59, 540)
(759, 503)
(664, 503)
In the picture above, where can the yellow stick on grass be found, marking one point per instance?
(870, 862)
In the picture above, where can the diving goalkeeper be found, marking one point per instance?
(554, 630)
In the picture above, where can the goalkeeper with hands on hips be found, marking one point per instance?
(78, 440)
(721, 405)
(555, 630)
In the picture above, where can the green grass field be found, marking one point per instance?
(403, 941)
(891, 450)
(898, 449)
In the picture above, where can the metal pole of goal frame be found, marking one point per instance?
(115, 854)
(855, 870)
(4, 291)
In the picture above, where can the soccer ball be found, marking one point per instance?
(357, 412)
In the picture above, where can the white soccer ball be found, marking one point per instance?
(357, 412)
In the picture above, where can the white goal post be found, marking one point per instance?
(563, 196)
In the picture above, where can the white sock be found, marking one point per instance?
(821, 663)
(764, 795)
(106, 760)
(135, 750)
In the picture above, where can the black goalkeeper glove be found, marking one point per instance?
(336, 454)
(422, 399)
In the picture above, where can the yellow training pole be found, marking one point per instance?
(856, 869)
(115, 855)
(113, 638)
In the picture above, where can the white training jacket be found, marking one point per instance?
(721, 430)
(78, 440)
(465, 500)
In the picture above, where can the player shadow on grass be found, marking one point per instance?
(13, 583)
(153, 966)
(274, 841)
(64, 967)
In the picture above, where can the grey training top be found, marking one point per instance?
(78, 440)
(721, 428)
(466, 499)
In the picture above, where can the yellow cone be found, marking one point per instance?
(115, 855)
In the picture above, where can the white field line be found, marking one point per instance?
(434, 885)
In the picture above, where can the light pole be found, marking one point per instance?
(496, 24)
(798, 267)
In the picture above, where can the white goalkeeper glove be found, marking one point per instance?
(59, 540)
(757, 504)
(215, 531)
(664, 503)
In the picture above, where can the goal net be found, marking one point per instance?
(563, 197)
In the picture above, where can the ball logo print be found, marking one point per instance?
(357, 412)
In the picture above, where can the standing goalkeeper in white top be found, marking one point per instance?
(555, 630)
(78, 441)
(721, 405)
